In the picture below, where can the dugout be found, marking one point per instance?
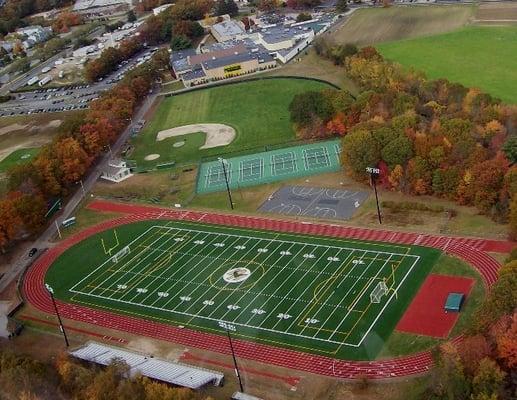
(454, 302)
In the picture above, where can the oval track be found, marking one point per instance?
(469, 250)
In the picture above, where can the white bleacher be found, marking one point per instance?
(155, 368)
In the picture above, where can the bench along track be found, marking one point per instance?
(471, 250)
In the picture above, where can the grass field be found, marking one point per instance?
(302, 292)
(18, 157)
(482, 57)
(376, 25)
(258, 110)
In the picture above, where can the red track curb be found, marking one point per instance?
(34, 292)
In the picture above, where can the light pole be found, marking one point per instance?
(223, 163)
(82, 187)
(58, 230)
(235, 360)
(61, 327)
(374, 173)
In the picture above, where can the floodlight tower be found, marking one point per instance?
(374, 174)
(61, 327)
(224, 163)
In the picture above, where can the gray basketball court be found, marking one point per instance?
(314, 202)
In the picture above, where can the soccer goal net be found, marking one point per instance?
(378, 291)
(120, 254)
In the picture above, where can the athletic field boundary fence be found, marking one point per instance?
(230, 154)
(258, 78)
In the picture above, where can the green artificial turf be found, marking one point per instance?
(257, 110)
(482, 57)
(18, 157)
(307, 293)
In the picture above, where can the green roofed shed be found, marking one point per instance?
(454, 302)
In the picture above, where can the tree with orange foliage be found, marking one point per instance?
(472, 350)
(10, 221)
(483, 191)
(65, 21)
(507, 344)
(73, 161)
(49, 173)
(337, 125)
(31, 209)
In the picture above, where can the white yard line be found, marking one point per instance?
(166, 268)
(109, 259)
(260, 240)
(247, 291)
(388, 302)
(211, 319)
(219, 238)
(295, 286)
(244, 254)
(350, 255)
(151, 252)
(350, 308)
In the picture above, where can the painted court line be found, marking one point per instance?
(152, 254)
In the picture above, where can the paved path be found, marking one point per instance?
(470, 250)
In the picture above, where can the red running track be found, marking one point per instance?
(471, 250)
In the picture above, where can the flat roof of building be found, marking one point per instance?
(235, 49)
(196, 74)
(228, 28)
(86, 4)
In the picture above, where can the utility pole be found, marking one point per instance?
(374, 173)
(61, 327)
(223, 163)
(82, 187)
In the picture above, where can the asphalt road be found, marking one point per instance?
(73, 202)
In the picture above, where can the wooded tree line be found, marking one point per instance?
(13, 13)
(24, 378)
(426, 136)
(176, 25)
(483, 365)
(59, 166)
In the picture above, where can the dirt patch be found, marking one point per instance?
(216, 134)
(12, 128)
(151, 157)
(26, 132)
(375, 25)
(56, 123)
(497, 12)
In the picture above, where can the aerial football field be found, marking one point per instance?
(317, 294)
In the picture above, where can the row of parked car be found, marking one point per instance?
(23, 111)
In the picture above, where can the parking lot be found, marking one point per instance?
(68, 98)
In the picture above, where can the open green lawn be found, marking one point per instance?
(258, 110)
(483, 57)
(18, 157)
(303, 292)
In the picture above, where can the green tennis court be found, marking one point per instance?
(270, 166)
